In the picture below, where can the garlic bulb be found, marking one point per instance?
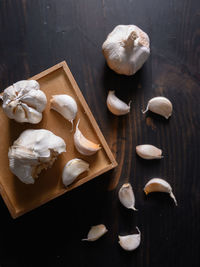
(126, 196)
(161, 106)
(32, 152)
(65, 105)
(24, 101)
(130, 242)
(126, 49)
(159, 185)
(83, 145)
(149, 152)
(96, 232)
(116, 106)
(73, 169)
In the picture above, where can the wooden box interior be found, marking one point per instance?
(21, 198)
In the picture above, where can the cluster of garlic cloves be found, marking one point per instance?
(117, 106)
(24, 101)
(32, 152)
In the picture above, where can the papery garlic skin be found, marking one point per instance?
(32, 152)
(73, 169)
(126, 49)
(24, 101)
(161, 106)
(126, 196)
(65, 105)
(148, 152)
(159, 185)
(130, 242)
(96, 232)
(116, 106)
(83, 145)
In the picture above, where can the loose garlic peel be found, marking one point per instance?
(24, 101)
(130, 242)
(126, 49)
(32, 152)
(126, 196)
(159, 185)
(149, 152)
(96, 232)
(65, 105)
(83, 145)
(73, 169)
(116, 106)
(160, 105)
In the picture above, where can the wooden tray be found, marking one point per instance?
(21, 198)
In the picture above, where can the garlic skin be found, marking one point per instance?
(126, 49)
(83, 145)
(159, 185)
(32, 152)
(24, 101)
(96, 232)
(73, 169)
(160, 105)
(116, 106)
(130, 242)
(149, 152)
(65, 105)
(126, 196)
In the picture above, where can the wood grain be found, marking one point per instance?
(38, 34)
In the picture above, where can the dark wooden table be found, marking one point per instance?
(36, 35)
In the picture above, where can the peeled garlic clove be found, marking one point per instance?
(24, 101)
(96, 232)
(149, 152)
(116, 106)
(83, 145)
(73, 169)
(161, 106)
(159, 185)
(65, 105)
(32, 152)
(130, 242)
(126, 196)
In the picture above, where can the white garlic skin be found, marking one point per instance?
(126, 196)
(73, 169)
(32, 152)
(148, 152)
(126, 49)
(159, 185)
(24, 101)
(96, 232)
(65, 105)
(83, 145)
(115, 105)
(130, 242)
(161, 106)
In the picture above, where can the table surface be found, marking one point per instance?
(36, 35)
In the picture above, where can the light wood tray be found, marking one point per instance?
(21, 198)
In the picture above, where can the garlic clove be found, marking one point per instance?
(96, 232)
(126, 196)
(73, 169)
(22, 99)
(159, 185)
(160, 105)
(116, 106)
(130, 242)
(32, 152)
(83, 145)
(65, 105)
(149, 152)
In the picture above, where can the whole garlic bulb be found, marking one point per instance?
(34, 151)
(126, 49)
(24, 101)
